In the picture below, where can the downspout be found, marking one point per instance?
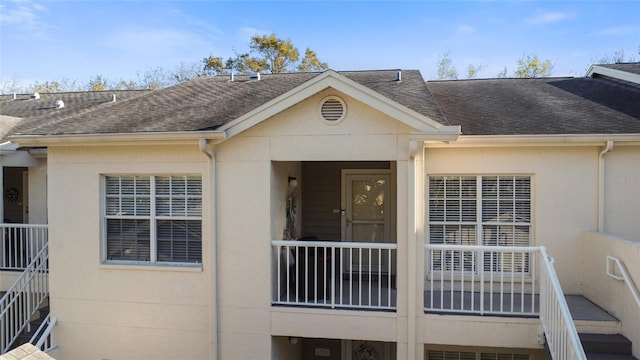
(601, 182)
(214, 313)
(1, 189)
(412, 251)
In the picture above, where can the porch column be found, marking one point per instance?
(418, 188)
(1, 190)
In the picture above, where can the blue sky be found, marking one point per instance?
(77, 40)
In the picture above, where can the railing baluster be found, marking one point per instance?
(321, 278)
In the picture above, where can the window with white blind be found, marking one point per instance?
(470, 355)
(153, 219)
(481, 210)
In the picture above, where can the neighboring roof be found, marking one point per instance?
(23, 106)
(540, 106)
(7, 123)
(207, 103)
(628, 73)
(626, 67)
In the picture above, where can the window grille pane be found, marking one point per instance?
(450, 355)
(436, 210)
(523, 211)
(128, 239)
(179, 241)
(523, 187)
(489, 210)
(495, 356)
(452, 186)
(178, 196)
(490, 187)
(436, 187)
(452, 210)
(128, 196)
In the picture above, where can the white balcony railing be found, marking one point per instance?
(334, 274)
(23, 299)
(559, 330)
(481, 279)
(501, 280)
(19, 244)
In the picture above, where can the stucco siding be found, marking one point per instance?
(148, 311)
(622, 179)
(564, 193)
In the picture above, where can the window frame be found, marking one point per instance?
(480, 224)
(153, 218)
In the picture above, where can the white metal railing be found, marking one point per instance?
(23, 299)
(559, 330)
(334, 274)
(43, 336)
(481, 279)
(19, 243)
(624, 276)
(506, 280)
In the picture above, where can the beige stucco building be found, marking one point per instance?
(341, 215)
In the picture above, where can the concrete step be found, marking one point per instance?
(608, 344)
(590, 318)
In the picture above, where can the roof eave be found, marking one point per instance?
(539, 140)
(613, 73)
(166, 137)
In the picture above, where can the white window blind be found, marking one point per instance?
(470, 355)
(481, 210)
(154, 218)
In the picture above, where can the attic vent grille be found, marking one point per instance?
(333, 109)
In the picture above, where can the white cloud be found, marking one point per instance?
(543, 18)
(466, 29)
(20, 13)
(155, 42)
(619, 30)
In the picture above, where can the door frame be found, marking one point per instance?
(344, 200)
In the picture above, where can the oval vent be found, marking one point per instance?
(332, 109)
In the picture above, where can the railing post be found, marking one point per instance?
(481, 269)
(333, 277)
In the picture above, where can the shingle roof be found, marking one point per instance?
(7, 123)
(633, 68)
(539, 106)
(75, 102)
(209, 102)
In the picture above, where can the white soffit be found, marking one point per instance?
(332, 79)
(613, 73)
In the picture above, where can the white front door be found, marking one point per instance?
(366, 219)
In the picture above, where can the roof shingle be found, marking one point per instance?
(539, 106)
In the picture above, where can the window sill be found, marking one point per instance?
(196, 268)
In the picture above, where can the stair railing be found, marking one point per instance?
(559, 330)
(43, 336)
(23, 299)
(624, 277)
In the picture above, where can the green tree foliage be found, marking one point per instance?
(55, 86)
(530, 66)
(310, 62)
(473, 70)
(446, 70)
(276, 54)
(618, 57)
(99, 83)
(268, 54)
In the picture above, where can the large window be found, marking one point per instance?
(470, 355)
(153, 219)
(481, 210)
